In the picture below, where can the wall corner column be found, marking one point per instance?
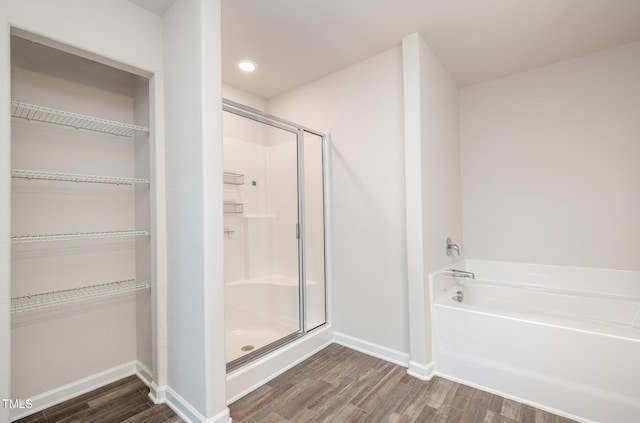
(196, 368)
(419, 353)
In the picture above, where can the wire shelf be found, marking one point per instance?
(22, 239)
(66, 296)
(74, 177)
(231, 178)
(233, 207)
(74, 120)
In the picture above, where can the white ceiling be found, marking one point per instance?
(156, 6)
(298, 41)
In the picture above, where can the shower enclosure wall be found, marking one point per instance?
(274, 232)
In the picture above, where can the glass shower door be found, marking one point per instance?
(314, 231)
(262, 286)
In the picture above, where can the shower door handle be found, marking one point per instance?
(297, 231)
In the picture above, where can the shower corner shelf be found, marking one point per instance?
(74, 177)
(22, 239)
(73, 120)
(231, 178)
(233, 207)
(73, 295)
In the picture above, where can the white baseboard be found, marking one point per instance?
(421, 371)
(158, 394)
(144, 373)
(189, 414)
(369, 348)
(74, 389)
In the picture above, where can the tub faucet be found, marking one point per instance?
(462, 274)
(452, 246)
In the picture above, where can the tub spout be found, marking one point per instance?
(462, 274)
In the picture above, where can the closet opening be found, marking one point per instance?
(81, 225)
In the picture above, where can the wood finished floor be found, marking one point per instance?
(341, 385)
(124, 401)
(336, 385)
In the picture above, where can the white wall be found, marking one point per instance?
(232, 93)
(240, 128)
(361, 106)
(195, 293)
(550, 169)
(432, 184)
(86, 28)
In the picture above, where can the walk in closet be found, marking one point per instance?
(81, 274)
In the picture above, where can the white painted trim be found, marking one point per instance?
(189, 414)
(255, 374)
(74, 389)
(144, 373)
(379, 351)
(512, 397)
(158, 394)
(413, 133)
(328, 228)
(421, 371)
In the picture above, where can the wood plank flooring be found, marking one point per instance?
(339, 385)
(124, 401)
(336, 385)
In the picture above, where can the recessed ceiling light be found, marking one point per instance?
(246, 65)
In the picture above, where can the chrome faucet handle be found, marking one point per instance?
(452, 246)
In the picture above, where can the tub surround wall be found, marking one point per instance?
(549, 163)
(626, 283)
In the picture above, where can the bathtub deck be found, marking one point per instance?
(341, 385)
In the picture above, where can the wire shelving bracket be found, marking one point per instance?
(232, 178)
(22, 239)
(67, 296)
(233, 207)
(73, 120)
(75, 177)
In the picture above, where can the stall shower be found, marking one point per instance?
(274, 249)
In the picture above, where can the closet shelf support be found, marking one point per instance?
(73, 295)
(21, 239)
(73, 120)
(75, 177)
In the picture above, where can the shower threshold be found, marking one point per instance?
(259, 352)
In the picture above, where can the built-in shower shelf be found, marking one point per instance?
(75, 177)
(22, 239)
(73, 295)
(232, 178)
(73, 120)
(233, 207)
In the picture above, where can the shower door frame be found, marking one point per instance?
(299, 130)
